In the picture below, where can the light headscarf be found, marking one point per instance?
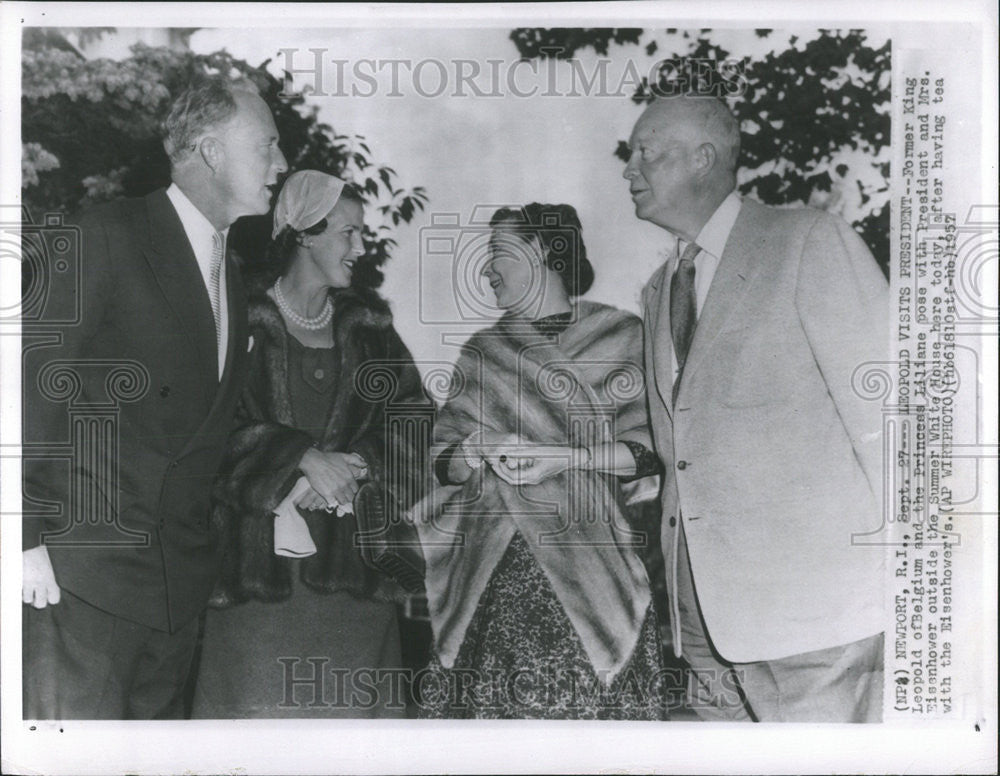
(307, 197)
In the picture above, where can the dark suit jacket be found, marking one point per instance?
(132, 392)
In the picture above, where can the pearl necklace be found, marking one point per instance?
(312, 324)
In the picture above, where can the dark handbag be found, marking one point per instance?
(386, 542)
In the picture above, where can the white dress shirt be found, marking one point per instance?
(200, 234)
(712, 241)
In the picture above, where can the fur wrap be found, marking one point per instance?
(583, 388)
(262, 456)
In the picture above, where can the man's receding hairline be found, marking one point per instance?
(254, 108)
(712, 121)
(687, 107)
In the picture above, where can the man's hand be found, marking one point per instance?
(38, 587)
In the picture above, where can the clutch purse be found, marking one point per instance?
(386, 542)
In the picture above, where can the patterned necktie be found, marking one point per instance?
(683, 311)
(214, 290)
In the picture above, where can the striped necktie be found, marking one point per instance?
(214, 291)
(683, 311)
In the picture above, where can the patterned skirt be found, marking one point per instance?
(522, 659)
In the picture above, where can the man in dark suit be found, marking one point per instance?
(119, 559)
(755, 332)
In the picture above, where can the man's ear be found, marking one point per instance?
(705, 157)
(211, 152)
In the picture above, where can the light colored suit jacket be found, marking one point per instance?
(771, 456)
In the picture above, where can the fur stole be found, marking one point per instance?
(585, 387)
(263, 453)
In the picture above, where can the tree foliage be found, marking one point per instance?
(804, 105)
(564, 42)
(90, 133)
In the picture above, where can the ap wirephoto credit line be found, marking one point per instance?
(541, 397)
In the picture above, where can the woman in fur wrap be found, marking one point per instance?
(539, 601)
(274, 618)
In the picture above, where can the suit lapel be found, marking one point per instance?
(237, 360)
(658, 332)
(172, 261)
(236, 347)
(731, 281)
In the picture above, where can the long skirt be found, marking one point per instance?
(313, 655)
(522, 659)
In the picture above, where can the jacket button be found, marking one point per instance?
(682, 465)
(673, 521)
(164, 391)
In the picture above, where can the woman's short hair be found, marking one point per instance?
(559, 232)
(207, 102)
(281, 249)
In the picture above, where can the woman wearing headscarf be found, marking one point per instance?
(294, 598)
(539, 601)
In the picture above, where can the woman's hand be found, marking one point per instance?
(311, 500)
(490, 445)
(334, 476)
(527, 464)
(530, 464)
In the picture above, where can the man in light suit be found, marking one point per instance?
(754, 330)
(119, 558)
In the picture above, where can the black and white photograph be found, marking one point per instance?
(560, 388)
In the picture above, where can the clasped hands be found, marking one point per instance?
(520, 462)
(333, 478)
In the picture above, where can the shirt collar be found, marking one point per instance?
(199, 229)
(714, 234)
